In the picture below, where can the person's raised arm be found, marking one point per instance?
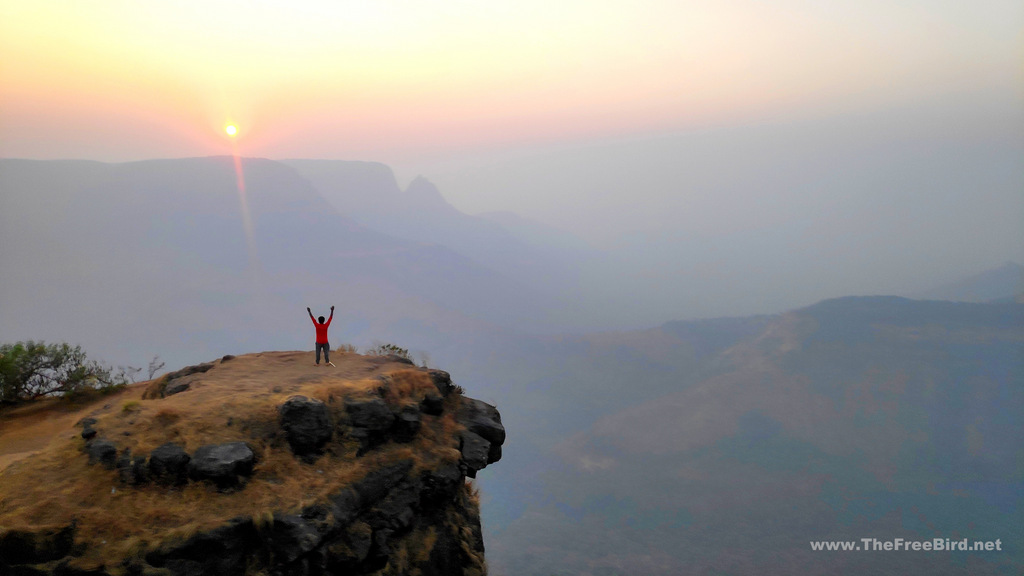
(332, 316)
(310, 314)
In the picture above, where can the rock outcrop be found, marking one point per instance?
(169, 464)
(180, 380)
(226, 465)
(307, 425)
(337, 476)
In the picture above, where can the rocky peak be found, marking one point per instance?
(422, 194)
(264, 463)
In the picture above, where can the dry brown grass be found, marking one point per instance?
(412, 552)
(406, 386)
(236, 400)
(155, 389)
(459, 519)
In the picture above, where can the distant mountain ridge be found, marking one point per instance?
(856, 416)
(1002, 283)
(369, 193)
(161, 247)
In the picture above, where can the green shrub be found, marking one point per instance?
(30, 370)
(389, 349)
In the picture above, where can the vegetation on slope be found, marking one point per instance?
(31, 370)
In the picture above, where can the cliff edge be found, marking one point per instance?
(256, 464)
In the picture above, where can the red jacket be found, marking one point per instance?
(321, 329)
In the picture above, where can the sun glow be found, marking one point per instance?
(231, 129)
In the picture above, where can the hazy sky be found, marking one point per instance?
(397, 81)
(623, 121)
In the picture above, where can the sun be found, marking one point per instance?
(231, 129)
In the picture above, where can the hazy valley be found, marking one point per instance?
(719, 445)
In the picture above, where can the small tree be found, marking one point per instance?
(155, 365)
(30, 370)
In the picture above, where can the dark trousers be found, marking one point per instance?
(326, 347)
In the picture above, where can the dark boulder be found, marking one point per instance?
(379, 481)
(176, 387)
(432, 404)
(222, 464)
(390, 358)
(190, 370)
(407, 423)
(289, 537)
(103, 452)
(481, 443)
(369, 422)
(372, 414)
(442, 380)
(221, 551)
(36, 547)
(398, 509)
(346, 553)
(475, 450)
(132, 470)
(439, 485)
(320, 516)
(483, 419)
(88, 430)
(344, 505)
(494, 454)
(360, 538)
(169, 464)
(178, 381)
(379, 551)
(307, 425)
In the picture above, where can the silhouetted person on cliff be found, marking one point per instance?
(321, 336)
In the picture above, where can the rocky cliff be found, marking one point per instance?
(257, 464)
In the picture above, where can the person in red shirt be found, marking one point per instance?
(321, 336)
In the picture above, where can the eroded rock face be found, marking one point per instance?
(307, 425)
(474, 449)
(439, 484)
(369, 422)
(481, 442)
(483, 419)
(407, 423)
(354, 532)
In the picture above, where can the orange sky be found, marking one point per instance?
(121, 80)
